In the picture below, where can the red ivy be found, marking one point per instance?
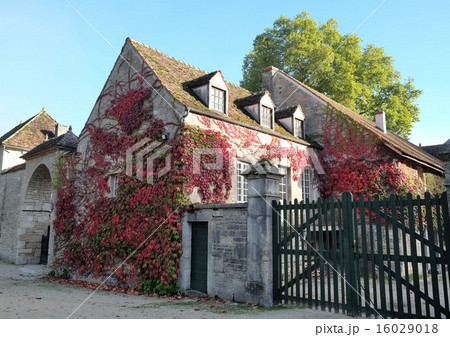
(96, 233)
(355, 161)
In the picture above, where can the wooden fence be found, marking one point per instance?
(382, 256)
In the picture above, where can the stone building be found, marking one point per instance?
(28, 154)
(285, 119)
(186, 95)
(24, 137)
(288, 91)
(180, 95)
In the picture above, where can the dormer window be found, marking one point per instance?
(266, 117)
(211, 89)
(292, 119)
(218, 99)
(298, 128)
(258, 106)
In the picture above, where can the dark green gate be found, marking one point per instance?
(199, 257)
(363, 256)
(44, 247)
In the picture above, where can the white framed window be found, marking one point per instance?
(114, 185)
(284, 183)
(307, 178)
(298, 128)
(266, 117)
(217, 99)
(242, 186)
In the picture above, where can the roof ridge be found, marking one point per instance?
(188, 64)
(169, 56)
(367, 123)
(19, 127)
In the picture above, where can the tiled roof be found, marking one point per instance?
(390, 139)
(176, 75)
(30, 133)
(14, 130)
(286, 112)
(67, 141)
(14, 169)
(435, 150)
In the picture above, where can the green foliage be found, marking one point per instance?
(156, 286)
(361, 78)
(58, 180)
(435, 183)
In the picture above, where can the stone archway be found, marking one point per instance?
(35, 222)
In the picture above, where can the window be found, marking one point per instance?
(307, 176)
(266, 117)
(242, 187)
(298, 128)
(284, 184)
(217, 99)
(114, 185)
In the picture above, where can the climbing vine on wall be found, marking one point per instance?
(137, 234)
(355, 161)
(250, 144)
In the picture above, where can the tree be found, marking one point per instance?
(361, 78)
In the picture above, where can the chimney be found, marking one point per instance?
(380, 120)
(60, 129)
(267, 75)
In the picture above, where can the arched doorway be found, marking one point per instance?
(35, 224)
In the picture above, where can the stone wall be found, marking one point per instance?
(239, 266)
(285, 92)
(27, 210)
(35, 216)
(250, 154)
(124, 75)
(227, 249)
(10, 187)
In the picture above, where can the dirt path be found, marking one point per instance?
(24, 294)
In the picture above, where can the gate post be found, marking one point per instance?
(445, 157)
(263, 188)
(445, 213)
(351, 302)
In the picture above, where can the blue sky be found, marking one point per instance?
(50, 57)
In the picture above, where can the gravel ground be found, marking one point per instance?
(24, 294)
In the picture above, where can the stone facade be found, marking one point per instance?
(239, 264)
(10, 197)
(227, 249)
(27, 210)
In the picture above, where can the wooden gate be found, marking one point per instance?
(199, 257)
(383, 256)
(44, 247)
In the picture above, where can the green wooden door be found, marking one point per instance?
(199, 258)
